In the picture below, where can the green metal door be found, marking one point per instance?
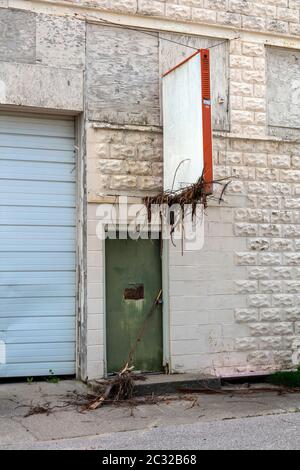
(133, 281)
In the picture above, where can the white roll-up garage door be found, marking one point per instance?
(37, 245)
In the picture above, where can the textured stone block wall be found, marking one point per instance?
(95, 341)
(123, 162)
(235, 306)
(248, 88)
(274, 16)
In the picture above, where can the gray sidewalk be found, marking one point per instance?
(66, 421)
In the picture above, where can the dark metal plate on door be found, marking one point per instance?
(135, 292)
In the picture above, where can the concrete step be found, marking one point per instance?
(162, 384)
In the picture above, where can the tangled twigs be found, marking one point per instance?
(38, 410)
(184, 203)
(122, 384)
(93, 405)
(43, 409)
(193, 194)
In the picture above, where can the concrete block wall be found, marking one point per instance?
(235, 305)
(95, 341)
(123, 161)
(274, 16)
(248, 88)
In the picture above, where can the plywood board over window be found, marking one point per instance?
(122, 76)
(124, 70)
(171, 53)
(283, 92)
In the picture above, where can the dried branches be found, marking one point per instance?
(191, 195)
(122, 385)
(178, 210)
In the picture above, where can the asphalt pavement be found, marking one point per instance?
(281, 432)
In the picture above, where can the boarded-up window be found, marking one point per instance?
(283, 92)
(171, 54)
(122, 76)
(124, 67)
